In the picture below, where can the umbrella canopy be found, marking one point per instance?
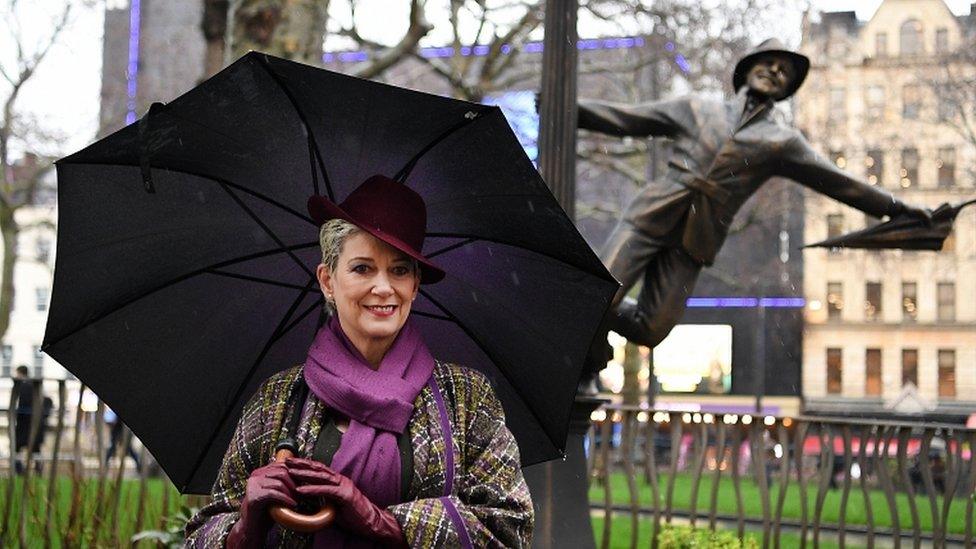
(185, 265)
(902, 232)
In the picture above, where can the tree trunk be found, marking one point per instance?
(293, 29)
(10, 231)
(214, 28)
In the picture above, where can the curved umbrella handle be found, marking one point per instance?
(293, 520)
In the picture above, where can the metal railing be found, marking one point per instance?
(57, 485)
(850, 478)
(809, 476)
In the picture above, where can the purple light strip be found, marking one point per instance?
(482, 50)
(132, 70)
(733, 302)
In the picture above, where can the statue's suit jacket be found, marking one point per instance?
(722, 154)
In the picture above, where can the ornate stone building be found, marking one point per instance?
(889, 332)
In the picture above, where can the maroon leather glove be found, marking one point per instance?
(269, 485)
(354, 511)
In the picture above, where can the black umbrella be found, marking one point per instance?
(185, 266)
(901, 232)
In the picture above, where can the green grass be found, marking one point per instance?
(93, 524)
(94, 516)
(752, 505)
(620, 532)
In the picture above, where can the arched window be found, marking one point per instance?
(910, 37)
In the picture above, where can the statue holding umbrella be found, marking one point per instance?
(723, 152)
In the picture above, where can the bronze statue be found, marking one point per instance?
(723, 152)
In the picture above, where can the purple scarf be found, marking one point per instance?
(378, 403)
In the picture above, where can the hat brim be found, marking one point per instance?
(322, 209)
(801, 66)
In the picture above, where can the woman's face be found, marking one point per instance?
(373, 286)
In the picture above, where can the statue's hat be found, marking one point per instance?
(801, 64)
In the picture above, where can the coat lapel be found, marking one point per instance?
(745, 118)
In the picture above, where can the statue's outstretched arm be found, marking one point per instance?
(658, 118)
(801, 163)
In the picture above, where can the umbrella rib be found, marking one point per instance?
(181, 278)
(301, 317)
(446, 249)
(256, 279)
(472, 238)
(491, 356)
(247, 377)
(313, 145)
(249, 212)
(215, 179)
(430, 315)
(469, 117)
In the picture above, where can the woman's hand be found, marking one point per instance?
(268, 485)
(354, 511)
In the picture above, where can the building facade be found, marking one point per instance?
(889, 332)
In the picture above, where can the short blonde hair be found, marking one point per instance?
(332, 236)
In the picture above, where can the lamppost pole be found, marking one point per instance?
(559, 488)
(557, 109)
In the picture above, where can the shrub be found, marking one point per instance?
(685, 537)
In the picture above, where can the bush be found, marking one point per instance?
(685, 537)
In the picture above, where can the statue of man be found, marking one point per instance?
(723, 152)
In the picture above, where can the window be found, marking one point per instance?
(6, 360)
(942, 40)
(909, 366)
(948, 107)
(947, 373)
(835, 300)
(946, 162)
(946, 301)
(874, 166)
(911, 101)
(909, 168)
(872, 301)
(909, 301)
(42, 249)
(41, 298)
(872, 372)
(835, 225)
(837, 110)
(835, 228)
(875, 99)
(834, 372)
(38, 362)
(910, 38)
(881, 44)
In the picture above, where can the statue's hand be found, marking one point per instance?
(916, 212)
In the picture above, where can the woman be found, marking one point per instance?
(412, 452)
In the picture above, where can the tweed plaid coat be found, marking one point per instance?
(489, 503)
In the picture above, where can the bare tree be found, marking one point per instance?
(952, 84)
(485, 61)
(21, 181)
(294, 30)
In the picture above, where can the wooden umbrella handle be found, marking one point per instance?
(293, 520)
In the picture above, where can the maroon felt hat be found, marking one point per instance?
(390, 211)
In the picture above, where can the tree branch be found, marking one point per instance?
(419, 27)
